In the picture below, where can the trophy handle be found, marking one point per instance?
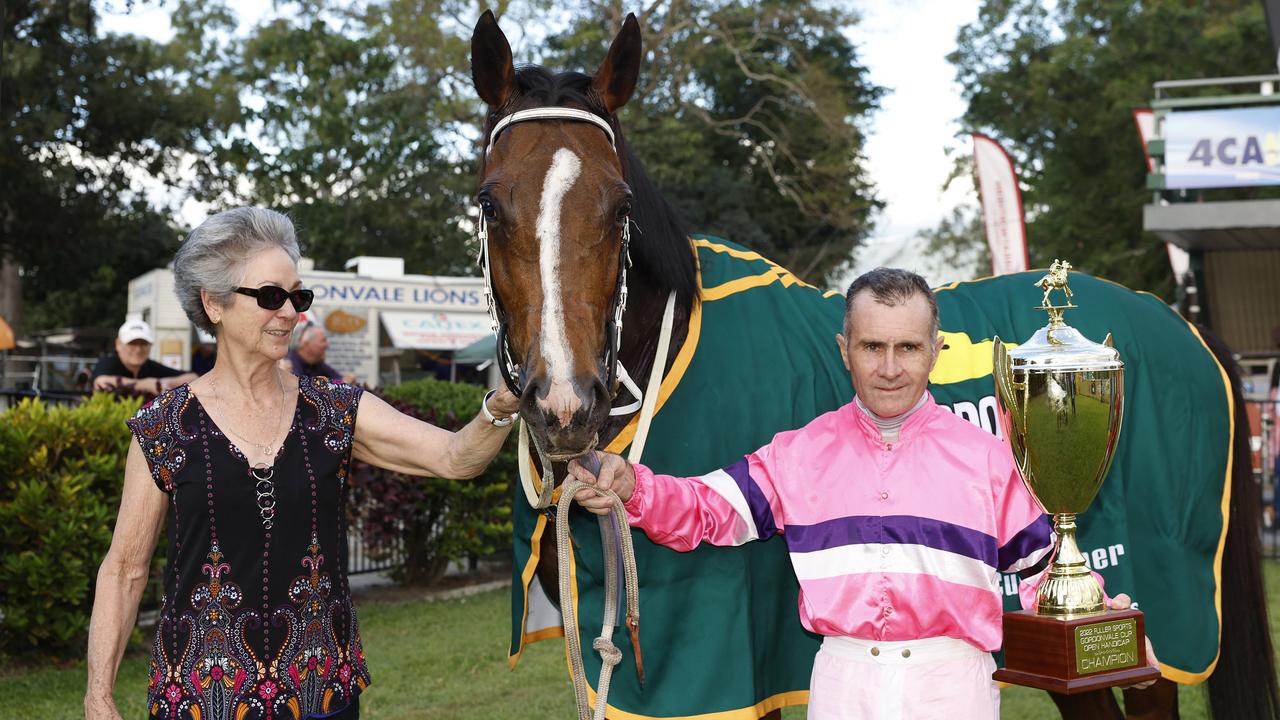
(1009, 394)
(1006, 386)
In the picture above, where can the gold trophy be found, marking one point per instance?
(1061, 399)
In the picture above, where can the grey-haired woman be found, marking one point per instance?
(249, 464)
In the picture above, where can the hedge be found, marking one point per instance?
(61, 469)
(436, 520)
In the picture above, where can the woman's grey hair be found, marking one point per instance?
(891, 286)
(213, 256)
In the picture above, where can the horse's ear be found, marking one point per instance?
(491, 69)
(616, 78)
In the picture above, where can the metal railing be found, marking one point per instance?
(361, 560)
(1265, 88)
(43, 372)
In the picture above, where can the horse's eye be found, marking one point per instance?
(489, 209)
(624, 210)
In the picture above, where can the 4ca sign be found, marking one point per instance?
(1222, 148)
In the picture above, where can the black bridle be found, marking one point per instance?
(507, 365)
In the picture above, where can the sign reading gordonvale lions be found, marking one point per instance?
(1238, 147)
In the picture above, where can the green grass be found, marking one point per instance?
(447, 661)
(438, 660)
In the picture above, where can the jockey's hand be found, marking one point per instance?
(1122, 602)
(615, 474)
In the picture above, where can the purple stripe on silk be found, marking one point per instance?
(761, 513)
(1029, 539)
(895, 529)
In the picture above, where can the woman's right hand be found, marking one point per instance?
(98, 708)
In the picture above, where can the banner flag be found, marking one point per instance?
(1145, 119)
(1001, 206)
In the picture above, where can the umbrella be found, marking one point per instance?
(6, 336)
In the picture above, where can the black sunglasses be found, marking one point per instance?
(272, 297)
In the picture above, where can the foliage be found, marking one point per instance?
(61, 470)
(359, 120)
(1056, 82)
(434, 521)
(356, 112)
(91, 120)
(749, 117)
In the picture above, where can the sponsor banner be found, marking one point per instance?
(434, 293)
(1001, 206)
(435, 330)
(1237, 147)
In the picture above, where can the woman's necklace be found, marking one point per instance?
(268, 450)
(261, 472)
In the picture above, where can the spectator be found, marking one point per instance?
(307, 357)
(130, 367)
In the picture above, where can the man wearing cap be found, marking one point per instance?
(130, 366)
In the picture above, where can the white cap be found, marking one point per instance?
(135, 329)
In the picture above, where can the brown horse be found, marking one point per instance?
(558, 194)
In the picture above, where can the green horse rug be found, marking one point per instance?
(720, 628)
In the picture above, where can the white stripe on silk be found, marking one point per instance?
(894, 558)
(724, 485)
(1033, 558)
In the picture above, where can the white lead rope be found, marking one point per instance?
(613, 537)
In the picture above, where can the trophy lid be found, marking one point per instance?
(1058, 346)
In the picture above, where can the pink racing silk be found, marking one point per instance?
(889, 541)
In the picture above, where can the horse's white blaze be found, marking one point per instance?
(561, 399)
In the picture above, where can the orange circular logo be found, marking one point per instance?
(343, 322)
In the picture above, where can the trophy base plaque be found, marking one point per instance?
(1075, 655)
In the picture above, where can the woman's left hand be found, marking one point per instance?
(504, 403)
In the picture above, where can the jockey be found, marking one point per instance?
(896, 513)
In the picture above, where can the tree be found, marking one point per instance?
(356, 113)
(749, 119)
(89, 119)
(359, 120)
(1055, 83)
(749, 116)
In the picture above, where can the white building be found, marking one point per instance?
(377, 317)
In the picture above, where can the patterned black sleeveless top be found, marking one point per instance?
(257, 621)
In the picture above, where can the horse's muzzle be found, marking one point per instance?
(565, 418)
